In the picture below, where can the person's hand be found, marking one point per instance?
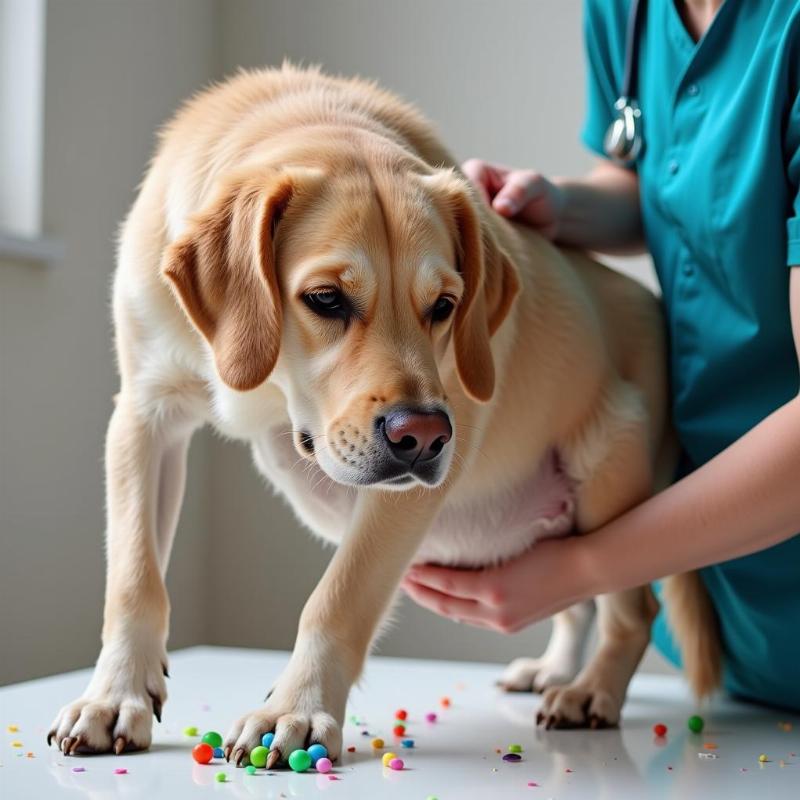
(548, 578)
(520, 194)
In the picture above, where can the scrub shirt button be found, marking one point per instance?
(673, 167)
(688, 270)
(693, 90)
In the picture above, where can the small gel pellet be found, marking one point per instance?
(212, 738)
(695, 724)
(300, 760)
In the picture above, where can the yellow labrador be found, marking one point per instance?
(306, 269)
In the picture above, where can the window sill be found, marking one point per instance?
(38, 250)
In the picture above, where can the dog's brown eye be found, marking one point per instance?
(442, 309)
(329, 303)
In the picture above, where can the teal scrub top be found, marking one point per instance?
(719, 176)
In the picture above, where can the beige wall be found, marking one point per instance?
(115, 70)
(501, 80)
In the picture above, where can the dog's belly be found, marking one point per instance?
(493, 528)
(484, 531)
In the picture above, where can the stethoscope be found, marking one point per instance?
(624, 138)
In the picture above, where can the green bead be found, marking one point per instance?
(695, 724)
(258, 756)
(515, 748)
(300, 760)
(250, 770)
(190, 731)
(212, 738)
(220, 777)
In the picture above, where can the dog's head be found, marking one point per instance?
(358, 293)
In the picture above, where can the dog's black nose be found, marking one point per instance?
(415, 436)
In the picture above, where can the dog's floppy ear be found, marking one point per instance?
(222, 271)
(490, 286)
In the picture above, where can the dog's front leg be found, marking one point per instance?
(145, 473)
(337, 625)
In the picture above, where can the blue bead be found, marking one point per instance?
(407, 743)
(317, 751)
(266, 740)
(218, 752)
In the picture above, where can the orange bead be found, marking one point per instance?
(203, 753)
(445, 701)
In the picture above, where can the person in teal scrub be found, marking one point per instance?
(712, 193)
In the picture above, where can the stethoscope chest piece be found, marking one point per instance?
(623, 140)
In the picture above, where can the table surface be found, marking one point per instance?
(455, 757)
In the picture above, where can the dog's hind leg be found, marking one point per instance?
(595, 698)
(563, 657)
(145, 475)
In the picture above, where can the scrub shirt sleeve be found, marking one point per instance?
(604, 63)
(792, 149)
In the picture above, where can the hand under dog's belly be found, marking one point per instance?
(485, 531)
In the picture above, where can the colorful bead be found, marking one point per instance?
(202, 753)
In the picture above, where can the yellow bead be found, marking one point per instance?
(16, 744)
(12, 728)
(377, 743)
(762, 758)
(387, 757)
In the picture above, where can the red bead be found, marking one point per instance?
(660, 729)
(203, 753)
(399, 730)
(401, 714)
(445, 701)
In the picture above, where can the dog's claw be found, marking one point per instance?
(156, 707)
(50, 738)
(273, 758)
(238, 756)
(539, 718)
(227, 751)
(65, 745)
(119, 744)
(75, 745)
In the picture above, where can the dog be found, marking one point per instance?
(305, 268)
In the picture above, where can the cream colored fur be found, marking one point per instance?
(552, 370)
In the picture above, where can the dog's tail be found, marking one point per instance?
(694, 621)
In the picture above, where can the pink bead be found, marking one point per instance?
(120, 771)
(396, 763)
(430, 717)
(324, 765)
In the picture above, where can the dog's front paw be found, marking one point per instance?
(115, 712)
(294, 727)
(537, 674)
(579, 706)
(305, 707)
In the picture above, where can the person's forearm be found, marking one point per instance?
(744, 500)
(601, 211)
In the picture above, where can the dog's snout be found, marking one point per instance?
(414, 436)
